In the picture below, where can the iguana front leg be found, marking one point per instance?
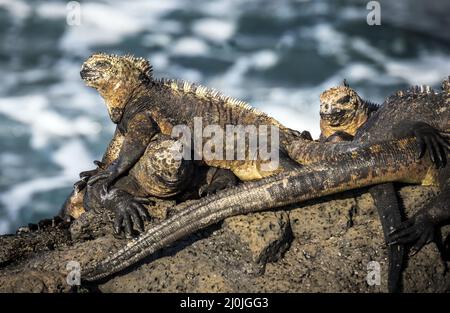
(422, 227)
(73, 206)
(126, 202)
(140, 130)
(428, 138)
(111, 153)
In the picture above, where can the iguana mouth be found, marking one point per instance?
(335, 118)
(87, 74)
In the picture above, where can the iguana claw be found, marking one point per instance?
(419, 230)
(428, 138)
(80, 185)
(130, 213)
(84, 176)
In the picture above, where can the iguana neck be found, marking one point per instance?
(118, 97)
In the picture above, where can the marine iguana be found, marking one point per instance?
(363, 164)
(143, 107)
(343, 112)
(341, 109)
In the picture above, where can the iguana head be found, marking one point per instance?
(341, 109)
(115, 78)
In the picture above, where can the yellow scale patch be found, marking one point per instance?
(430, 178)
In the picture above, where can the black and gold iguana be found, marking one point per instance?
(144, 107)
(343, 112)
(380, 153)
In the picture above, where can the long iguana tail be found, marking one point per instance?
(377, 163)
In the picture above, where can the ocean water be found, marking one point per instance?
(277, 55)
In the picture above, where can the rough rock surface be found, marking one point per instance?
(321, 246)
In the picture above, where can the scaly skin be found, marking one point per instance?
(343, 112)
(359, 169)
(158, 173)
(143, 107)
(363, 165)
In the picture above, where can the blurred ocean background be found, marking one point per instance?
(277, 55)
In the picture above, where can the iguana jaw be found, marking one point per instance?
(352, 123)
(337, 117)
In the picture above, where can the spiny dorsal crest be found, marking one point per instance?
(141, 64)
(371, 106)
(203, 92)
(413, 91)
(420, 90)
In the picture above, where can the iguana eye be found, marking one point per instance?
(344, 99)
(102, 64)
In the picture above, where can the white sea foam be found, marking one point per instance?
(73, 157)
(214, 29)
(234, 78)
(43, 122)
(9, 160)
(220, 8)
(110, 22)
(156, 40)
(427, 69)
(190, 46)
(168, 27)
(101, 24)
(17, 8)
(4, 226)
(264, 59)
(330, 42)
(159, 60)
(52, 10)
